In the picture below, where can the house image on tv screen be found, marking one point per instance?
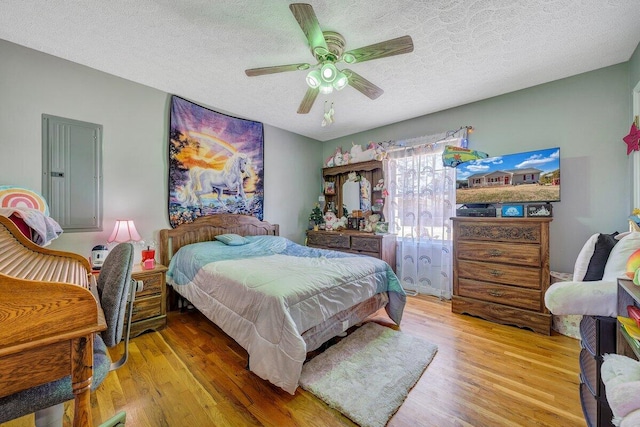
(526, 177)
(507, 177)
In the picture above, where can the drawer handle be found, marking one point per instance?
(495, 293)
(495, 252)
(496, 273)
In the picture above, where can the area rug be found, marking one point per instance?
(368, 374)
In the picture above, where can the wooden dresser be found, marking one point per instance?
(381, 246)
(501, 270)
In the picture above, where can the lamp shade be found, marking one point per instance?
(341, 81)
(313, 78)
(328, 72)
(326, 88)
(124, 231)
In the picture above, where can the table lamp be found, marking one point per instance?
(124, 231)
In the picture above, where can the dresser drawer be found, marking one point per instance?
(365, 244)
(152, 285)
(525, 277)
(144, 308)
(510, 253)
(590, 372)
(328, 240)
(500, 231)
(501, 294)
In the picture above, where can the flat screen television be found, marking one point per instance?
(527, 177)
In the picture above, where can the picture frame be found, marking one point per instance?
(329, 188)
(512, 211)
(540, 210)
(382, 227)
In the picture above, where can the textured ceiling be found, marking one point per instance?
(465, 50)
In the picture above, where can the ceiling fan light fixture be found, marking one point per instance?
(329, 72)
(314, 79)
(341, 81)
(326, 88)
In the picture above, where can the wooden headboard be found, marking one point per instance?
(205, 228)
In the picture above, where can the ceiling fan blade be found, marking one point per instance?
(252, 72)
(308, 100)
(363, 85)
(391, 47)
(308, 21)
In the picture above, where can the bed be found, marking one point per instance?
(277, 299)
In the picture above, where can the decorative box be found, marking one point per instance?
(541, 210)
(512, 211)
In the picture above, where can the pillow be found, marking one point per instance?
(582, 262)
(18, 197)
(617, 264)
(623, 234)
(598, 261)
(232, 239)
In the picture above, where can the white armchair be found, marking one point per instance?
(594, 297)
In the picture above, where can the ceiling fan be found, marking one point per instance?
(328, 48)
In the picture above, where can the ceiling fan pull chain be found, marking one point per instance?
(328, 115)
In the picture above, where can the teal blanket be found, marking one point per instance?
(266, 293)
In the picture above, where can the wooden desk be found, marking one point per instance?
(40, 342)
(48, 318)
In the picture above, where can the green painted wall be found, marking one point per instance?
(585, 115)
(634, 68)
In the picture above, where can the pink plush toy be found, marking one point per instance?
(330, 219)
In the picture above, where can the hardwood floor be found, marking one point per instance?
(484, 374)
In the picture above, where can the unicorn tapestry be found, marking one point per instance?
(215, 164)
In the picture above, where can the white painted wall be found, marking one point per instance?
(135, 150)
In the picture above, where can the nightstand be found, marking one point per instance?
(150, 306)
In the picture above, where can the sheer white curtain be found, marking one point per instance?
(420, 203)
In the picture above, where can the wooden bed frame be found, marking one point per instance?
(205, 228)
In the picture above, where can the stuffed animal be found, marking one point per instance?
(346, 158)
(372, 220)
(329, 162)
(338, 157)
(330, 220)
(380, 152)
(360, 155)
(340, 223)
(380, 185)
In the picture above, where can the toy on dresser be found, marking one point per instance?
(332, 222)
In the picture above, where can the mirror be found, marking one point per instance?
(357, 195)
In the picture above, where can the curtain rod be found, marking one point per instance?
(438, 137)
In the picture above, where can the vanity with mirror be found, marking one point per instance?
(352, 188)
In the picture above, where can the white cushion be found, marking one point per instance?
(621, 377)
(631, 420)
(617, 262)
(617, 369)
(582, 262)
(597, 298)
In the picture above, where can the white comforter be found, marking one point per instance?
(266, 293)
